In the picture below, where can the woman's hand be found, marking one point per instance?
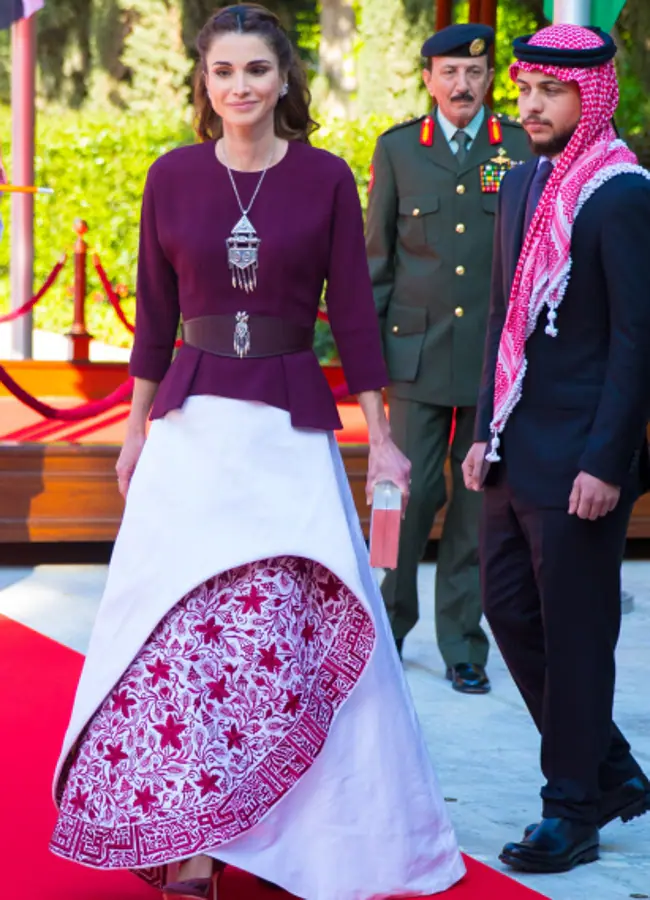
(387, 463)
(128, 460)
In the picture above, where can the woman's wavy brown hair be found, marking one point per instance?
(292, 118)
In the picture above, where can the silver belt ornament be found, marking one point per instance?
(242, 335)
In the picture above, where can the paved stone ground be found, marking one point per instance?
(484, 748)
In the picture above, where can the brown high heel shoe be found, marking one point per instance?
(195, 888)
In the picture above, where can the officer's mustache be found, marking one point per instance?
(462, 98)
(535, 120)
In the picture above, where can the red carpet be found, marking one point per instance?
(38, 678)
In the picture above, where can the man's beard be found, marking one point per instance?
(554, 146)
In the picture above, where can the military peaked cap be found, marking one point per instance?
(459, 40)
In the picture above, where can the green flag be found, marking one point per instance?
(604, 13)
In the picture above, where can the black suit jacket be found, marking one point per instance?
(586, 393)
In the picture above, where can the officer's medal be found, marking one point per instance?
(492, 172)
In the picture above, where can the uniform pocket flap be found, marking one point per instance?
(490, 202)
(406, 319)
(419, 206)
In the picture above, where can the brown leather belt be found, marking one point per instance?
(247, 335)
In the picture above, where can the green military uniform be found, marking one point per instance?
(430, 226)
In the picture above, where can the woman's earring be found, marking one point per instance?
(284, 90)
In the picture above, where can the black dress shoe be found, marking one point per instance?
(468, 678)
(627, 802)
(556, 845)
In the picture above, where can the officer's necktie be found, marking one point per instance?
(537, 186)
(462, 138)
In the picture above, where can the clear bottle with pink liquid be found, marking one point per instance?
(385, 522)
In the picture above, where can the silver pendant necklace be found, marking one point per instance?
(243, 244)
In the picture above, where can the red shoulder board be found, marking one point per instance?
(371, 181)
(495, 131)
(426, 132)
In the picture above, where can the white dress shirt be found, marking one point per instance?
(450, 130)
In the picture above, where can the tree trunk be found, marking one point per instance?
(390, 65)
(337, 76)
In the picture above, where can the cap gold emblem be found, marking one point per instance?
(477, 47)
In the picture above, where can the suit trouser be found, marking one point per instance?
(552, 595)
(422, 432)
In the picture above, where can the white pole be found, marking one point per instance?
(23, 116)
(572, 12)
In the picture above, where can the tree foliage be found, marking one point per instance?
(391, 33)
(138, 54)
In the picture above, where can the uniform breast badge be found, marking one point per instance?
(492, 172)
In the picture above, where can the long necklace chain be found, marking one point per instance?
(243, 244)
(246, 210)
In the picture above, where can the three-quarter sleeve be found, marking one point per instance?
(157, 307)
(349, 298)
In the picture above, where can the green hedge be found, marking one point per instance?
(97, 167)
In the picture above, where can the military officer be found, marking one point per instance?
(430, 223)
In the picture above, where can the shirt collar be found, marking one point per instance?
(471, 130)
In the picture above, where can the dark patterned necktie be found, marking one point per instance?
(462, 138)
(537, 186)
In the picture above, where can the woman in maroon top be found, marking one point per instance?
(242, 702)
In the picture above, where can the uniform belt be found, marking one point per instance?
(246, 335)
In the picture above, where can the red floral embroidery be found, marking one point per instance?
(235, 737)
(207, 783)
(123, 702)
(269, 660)
(293, 703)
(145, 799)
(210, 630)
(253, 602)
(170, 733)
(226, 706)
(115, 754)
(160, 670)
(78, 802)
(218, 690)
(330, 588)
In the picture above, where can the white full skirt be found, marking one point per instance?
(222, 483)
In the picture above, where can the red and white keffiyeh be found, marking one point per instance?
(593, 156)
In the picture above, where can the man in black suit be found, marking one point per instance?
(561, 432)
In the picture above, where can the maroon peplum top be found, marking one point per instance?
(308, 217)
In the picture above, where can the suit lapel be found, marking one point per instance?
(518, 215)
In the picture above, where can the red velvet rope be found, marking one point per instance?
(114, 300)
(26, 307)
(76, 413)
